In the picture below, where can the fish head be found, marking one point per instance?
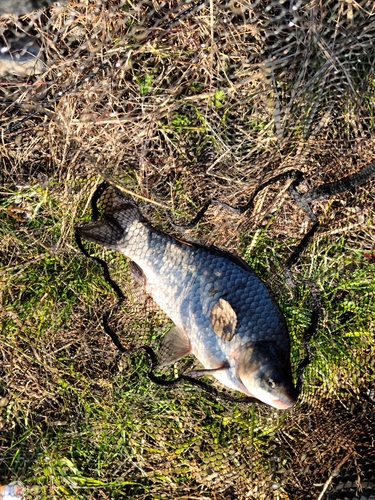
(264, 375)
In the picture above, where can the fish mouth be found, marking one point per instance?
(282, 404)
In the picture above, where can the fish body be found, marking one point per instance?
(223, 313)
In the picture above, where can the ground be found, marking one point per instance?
(211, 106)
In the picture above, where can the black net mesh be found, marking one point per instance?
(179, 103)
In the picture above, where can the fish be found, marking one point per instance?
(13, 491)
(222, 312)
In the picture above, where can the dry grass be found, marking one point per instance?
(225, 99)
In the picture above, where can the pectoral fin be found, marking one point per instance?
(208, 371)
(223, 320)
(175, 345)
(137, 273)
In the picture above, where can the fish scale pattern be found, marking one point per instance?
(186, 281)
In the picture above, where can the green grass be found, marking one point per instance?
(77, 422)
(81, 424)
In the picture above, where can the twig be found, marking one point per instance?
(143, 198)
(336, 470)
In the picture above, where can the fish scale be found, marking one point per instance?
(178, 280)
(224, 314)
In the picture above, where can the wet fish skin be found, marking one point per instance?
(224, 314)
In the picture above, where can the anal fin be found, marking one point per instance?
(175, 345)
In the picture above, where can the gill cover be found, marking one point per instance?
(262, 373)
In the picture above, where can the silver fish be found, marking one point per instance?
(223, 313)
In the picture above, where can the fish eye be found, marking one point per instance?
(271, 383)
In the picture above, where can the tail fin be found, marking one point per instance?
(119, 212)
